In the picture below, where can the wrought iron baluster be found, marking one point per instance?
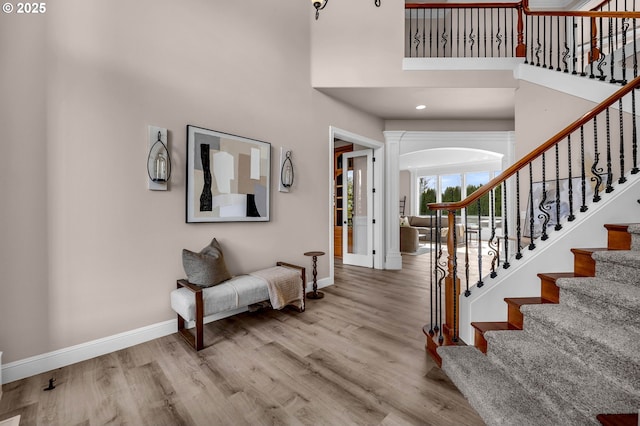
(635, 57)
(464, 32)
(480, 283)
(441, 270)
(526, 28)
(472, 37)
(424, 34)
(601, 60)
(454, 280)
(558, 225)
(582, 55)
(558, 57)
(493, 245)
(571, 217)
(431, 33)
(409, 45)
(625, 27)
(416, 37)
(574, 58)
(550, 40)
(518, 224)
(451, 31)
(634, 146)
(611, 49)
(499, 34)
(622, 178)
(583, 175)
(457, 33)
(538, 44)
(505, 225)
(544, 208)
(478, 29)
(491, 42)
(565, 54)
(609, 188)
(433, 300)
(437, 40)
(592, 49)
(467, 292)
(484, 13)
(444, 37)
(595, 170)
(531, 220)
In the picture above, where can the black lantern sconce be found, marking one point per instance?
(319, 5)
(286, 170)
(158, 160)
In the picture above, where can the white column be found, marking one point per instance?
(393, 258)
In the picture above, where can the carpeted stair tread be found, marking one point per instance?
(497, 397)
(567, 384)
(618, 265)
(605, 299)
(612, 348)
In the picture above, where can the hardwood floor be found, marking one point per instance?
(355, 357)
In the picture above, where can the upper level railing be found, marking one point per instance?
(599, 43)
(551, 185)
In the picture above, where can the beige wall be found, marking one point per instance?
(87, 250)
(540, 113)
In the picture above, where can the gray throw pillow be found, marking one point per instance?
(206, 268)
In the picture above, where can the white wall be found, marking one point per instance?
(87, 251)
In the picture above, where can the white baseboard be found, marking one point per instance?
(61, 358)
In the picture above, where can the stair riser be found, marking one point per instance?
(601, 309)
(601, 358)
(635, 242)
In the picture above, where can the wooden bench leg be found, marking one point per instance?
(195, 340)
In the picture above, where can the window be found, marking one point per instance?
(456, 187)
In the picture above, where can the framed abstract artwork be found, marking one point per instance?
(228, 177)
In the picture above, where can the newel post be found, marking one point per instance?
(452, 282)
(521, 48)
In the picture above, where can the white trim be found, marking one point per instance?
(63, 357)
(460, 64)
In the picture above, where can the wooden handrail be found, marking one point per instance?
(484, 189)
(525, 7)
(461, 5)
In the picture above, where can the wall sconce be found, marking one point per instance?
(319, 5)
(158, 160)
(286, 170)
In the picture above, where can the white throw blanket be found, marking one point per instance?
(285, 286)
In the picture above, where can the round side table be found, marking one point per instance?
(315, 294)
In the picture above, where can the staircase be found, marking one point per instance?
(568, 357)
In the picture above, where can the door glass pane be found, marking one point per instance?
(357, 197)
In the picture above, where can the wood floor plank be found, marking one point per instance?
(355, 357)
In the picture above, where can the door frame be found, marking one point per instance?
(378, 199)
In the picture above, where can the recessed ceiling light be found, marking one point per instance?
(421, 107)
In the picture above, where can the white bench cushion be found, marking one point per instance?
(242, 290)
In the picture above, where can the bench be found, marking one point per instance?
(192, 302)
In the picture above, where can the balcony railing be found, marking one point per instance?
(600, 43)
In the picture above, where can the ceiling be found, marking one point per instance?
(399, 103)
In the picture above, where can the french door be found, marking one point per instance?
(357, 226)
